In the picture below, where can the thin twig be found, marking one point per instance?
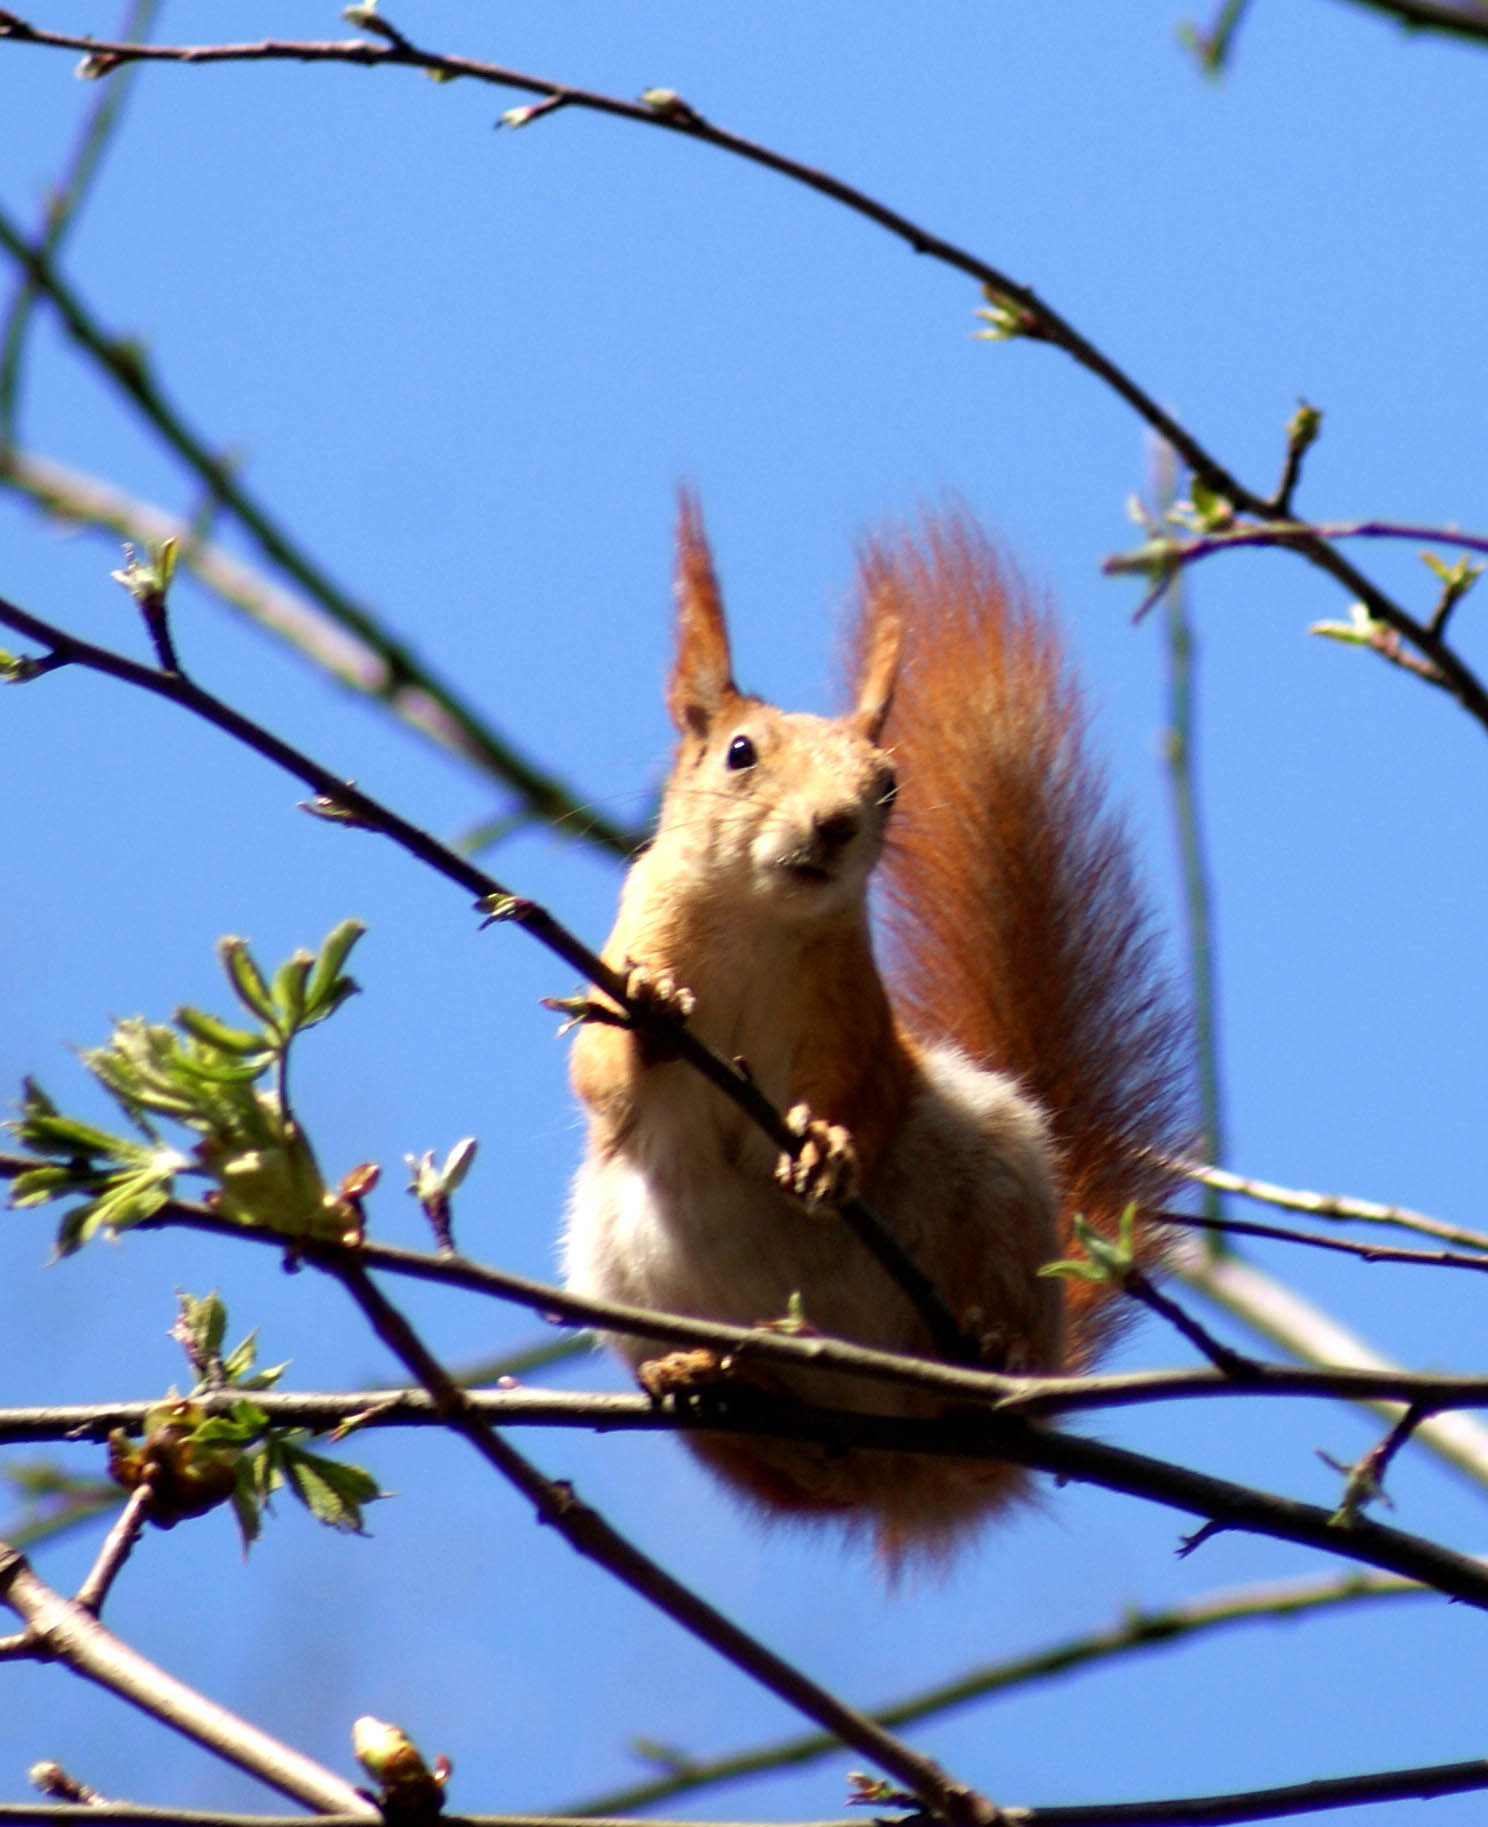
(1181, 761)
(1213, 47)
(1331, 1205)
(1466, 20)
(1301, 1328)
(1366, 1477)
(117, 1547)
(1344, 1380)
(137, 1814)
(1136, 1631)
(1366, 1252)
(1233, 1364)
(346, 799)
(1003, 1433)
(323, 1411)
(1166, 555)
(63, 1631)
(1423, 1783)
(62, 208)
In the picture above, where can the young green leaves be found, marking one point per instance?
(194, 1457)
(229, 1084)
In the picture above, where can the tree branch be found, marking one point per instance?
(1291, 1799)
(63, 1631)
(1468, 20)
(61, 212)
(1136, 1631)
(1331, 1205)
(1026, 314)
(1003, 1394)
(1348, 1246)
(404, 673)
(586, 1531)
(119, 1544)
(368, 662)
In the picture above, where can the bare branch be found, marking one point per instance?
(1453, 18)
(62, 210)
(1287, 1318)
(1366, 1252)
(1290, 1799)
(1136, 1631)
(63, 1631)
(117, 1547)
(1331, 1205)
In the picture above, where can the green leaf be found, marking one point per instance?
(116, 1210)
(1106, 1259)
(240, 1360)
(327, 988)
(268, 1472)
(331, 1490)
(201, 1325)
(40, 1185)
(246, 1424)
(289, 991)
(1074, 1268)
(246, 978)
(1360, 630)
(194, 1070)
(59, 1135)
(246, 1505)
(212, 1032)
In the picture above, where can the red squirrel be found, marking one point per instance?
(1020, 1063)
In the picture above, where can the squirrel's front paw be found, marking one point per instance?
(658, 992)
(680, 1373)
(825, 1172)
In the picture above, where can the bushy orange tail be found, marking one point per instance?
(1015, 924)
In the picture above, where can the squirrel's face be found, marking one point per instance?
(786, 807)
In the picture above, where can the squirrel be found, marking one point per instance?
(1022, 1060)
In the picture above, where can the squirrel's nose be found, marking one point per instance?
(837, 831)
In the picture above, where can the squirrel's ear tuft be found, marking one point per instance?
(702, 673)
(880, 642)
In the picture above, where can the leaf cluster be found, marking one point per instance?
(227, 1083)
(194, 1455)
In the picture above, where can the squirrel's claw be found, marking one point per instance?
(825, 1172)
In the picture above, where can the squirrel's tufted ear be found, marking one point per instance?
(881, 640)
(702, 679)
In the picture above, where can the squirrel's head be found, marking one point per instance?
(782, 812)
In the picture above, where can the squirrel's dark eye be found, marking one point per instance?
(740, 754)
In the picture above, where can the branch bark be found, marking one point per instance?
(62, 1631)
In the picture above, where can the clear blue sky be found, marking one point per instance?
(468, 370)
